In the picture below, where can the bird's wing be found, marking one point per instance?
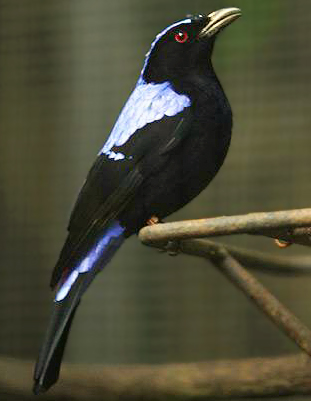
(148, 103)
(152, 123)
(92, 215)
(112, 182)
(108, 187)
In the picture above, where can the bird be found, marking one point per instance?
(167, 144)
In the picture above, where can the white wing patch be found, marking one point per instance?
(147, 103)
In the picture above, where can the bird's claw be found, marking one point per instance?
(153, 220)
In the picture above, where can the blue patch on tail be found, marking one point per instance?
(114, 231)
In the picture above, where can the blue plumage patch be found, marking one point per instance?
(115, 230)
(148, 102)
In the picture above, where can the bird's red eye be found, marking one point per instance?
(181, 37)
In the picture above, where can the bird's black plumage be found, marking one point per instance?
(168, 143)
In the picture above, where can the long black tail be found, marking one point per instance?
(51, 354)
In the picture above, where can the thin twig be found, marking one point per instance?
(271, 264)
(251, 287)
(256, 260)
(255, 291)
(275, 224)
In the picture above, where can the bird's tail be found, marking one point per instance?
(51, 353)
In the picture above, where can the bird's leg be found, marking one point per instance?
(172, 247)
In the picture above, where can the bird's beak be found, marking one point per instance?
(218, 20)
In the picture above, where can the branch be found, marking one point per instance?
(271, 264)
(227, 264)
(255, 260)
(252, 288)
(288, 225)
(258, 377)
(256, 292)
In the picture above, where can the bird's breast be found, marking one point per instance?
(187, 169)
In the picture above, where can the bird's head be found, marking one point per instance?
(185, 46)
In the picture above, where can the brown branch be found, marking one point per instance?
(271, 264)
(252, 288)
(282, 224)
(258, 377)
(255, 291)
(261, 261)
(224, 261)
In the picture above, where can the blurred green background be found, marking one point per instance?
(66, 69)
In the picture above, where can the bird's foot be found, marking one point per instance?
(173, 246)
(282, 243)
(153, 220)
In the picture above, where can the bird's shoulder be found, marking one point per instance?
(148, 103)
(153, 121)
